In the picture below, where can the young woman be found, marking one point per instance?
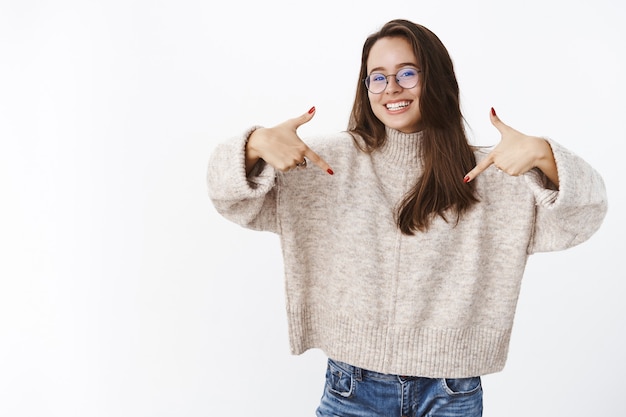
(404, 253)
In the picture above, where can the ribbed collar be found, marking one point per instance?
(401, 149)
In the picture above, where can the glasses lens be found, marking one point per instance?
(376, 82)
(407, 77)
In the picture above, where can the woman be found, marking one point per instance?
(404, 253)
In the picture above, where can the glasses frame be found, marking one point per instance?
(365, 80)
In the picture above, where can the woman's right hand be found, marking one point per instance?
(281, 147)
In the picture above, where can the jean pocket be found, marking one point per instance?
(461, 386)
(338, 381)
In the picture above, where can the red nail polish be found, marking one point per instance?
(493, 111)
(330, 171)
(311, 110)
(466, 179)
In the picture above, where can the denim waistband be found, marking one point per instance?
(360, 373)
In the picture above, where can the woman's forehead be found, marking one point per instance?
(390, 54)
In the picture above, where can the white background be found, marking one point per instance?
(123, 293)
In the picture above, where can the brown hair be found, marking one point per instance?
(445, 151)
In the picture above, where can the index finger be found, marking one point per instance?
(317, 160)
(479, 168)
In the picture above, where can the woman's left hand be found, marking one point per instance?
(517, 154)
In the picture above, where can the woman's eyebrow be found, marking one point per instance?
(398, 66)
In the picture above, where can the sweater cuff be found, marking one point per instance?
(546, 193)
(262, 175)
(226, 174)
(579, 183)
(543, 189)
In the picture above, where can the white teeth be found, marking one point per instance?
(397, 106)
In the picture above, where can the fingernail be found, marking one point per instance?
(330, 171)
(466, 179)
(493, 111)
(311, 110)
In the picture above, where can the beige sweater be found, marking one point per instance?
(437, 304)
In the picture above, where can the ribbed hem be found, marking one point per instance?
(420, 351)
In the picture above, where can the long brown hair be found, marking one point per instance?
(445, 151)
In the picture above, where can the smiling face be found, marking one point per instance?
(396, 107)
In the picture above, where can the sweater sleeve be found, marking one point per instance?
(248, 200)
(572, 214)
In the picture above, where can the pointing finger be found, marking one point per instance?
(317, 160)
(479, 168)
(309, 153)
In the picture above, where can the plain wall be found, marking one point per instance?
(123, 292)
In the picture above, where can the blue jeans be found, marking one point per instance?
(356, 392)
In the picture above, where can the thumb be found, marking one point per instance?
(296, 122)
(496, 122)
(480, 167)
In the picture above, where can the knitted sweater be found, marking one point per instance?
(437, 304)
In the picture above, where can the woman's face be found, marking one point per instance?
(396, 107)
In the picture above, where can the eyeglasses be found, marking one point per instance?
(376, 82)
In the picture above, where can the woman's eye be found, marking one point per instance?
(407, 73)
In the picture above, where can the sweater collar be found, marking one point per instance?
(401, 149)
